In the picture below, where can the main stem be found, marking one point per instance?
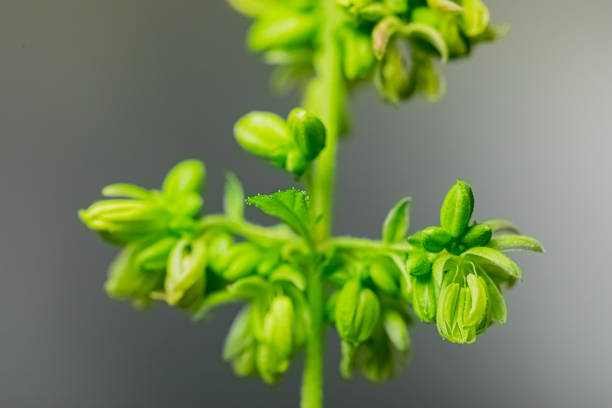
(329, 106)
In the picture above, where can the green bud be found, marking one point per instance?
(477, 307)
(125, 220)
(308, 133)
(393, 79)
(278, 325)
(396, 329)
(244, 259)
(155, 255)
(296, 162)
(185, 177)
(445, 5)
(282, 31)
(424, 297)
(219, 244)
(346, 306)
(418, 263)
(384, 275)
(366, 316)
(457, 209)
(477, 235)
(127, 281)
(357, 312)
(475, 17)
(358, 59)
(435, 239)
(264, 134)
(186, 266)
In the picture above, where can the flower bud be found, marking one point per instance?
(475, 17)
(185, 177)
(243, 261)
(264, 134)
(396, 329)
(477, 235)
(476, 308)
(219, 244)
(418, 263)
(282, 30)
(384, 276)
(424, 297)
(308, 132)
(278, 325)
(358, 58)
(155, 255)
(125, 220)
(457, 209)
(296, 162)
(186, 266)
(435, 239)
(357, 312)
(126, 280)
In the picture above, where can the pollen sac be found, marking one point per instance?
(457, 209)
(357, 312)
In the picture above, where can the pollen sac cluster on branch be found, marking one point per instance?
(393, 42)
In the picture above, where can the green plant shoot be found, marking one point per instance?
(295, 279)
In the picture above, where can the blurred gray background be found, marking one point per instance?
(95, 92)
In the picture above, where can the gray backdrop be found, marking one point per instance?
(94, 92)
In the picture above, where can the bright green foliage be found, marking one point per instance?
(294, 279)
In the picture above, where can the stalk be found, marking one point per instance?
(330, 105)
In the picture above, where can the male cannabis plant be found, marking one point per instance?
(294, 279)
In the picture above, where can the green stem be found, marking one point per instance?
(312, 382)
(367, 244)
(254, 232)
(328, 103)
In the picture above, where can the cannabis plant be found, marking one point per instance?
(295, 279)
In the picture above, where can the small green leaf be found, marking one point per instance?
(516, 243)
(126, 190)
(234, 198)
(491, 257)
(397, 222)
(498, 311)
(286, 273)
(502, 226)
(239, 337)
(249, 287)
(290, 206)
(282, 30)
(445, 5)
(457, 209)
(185, 177)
